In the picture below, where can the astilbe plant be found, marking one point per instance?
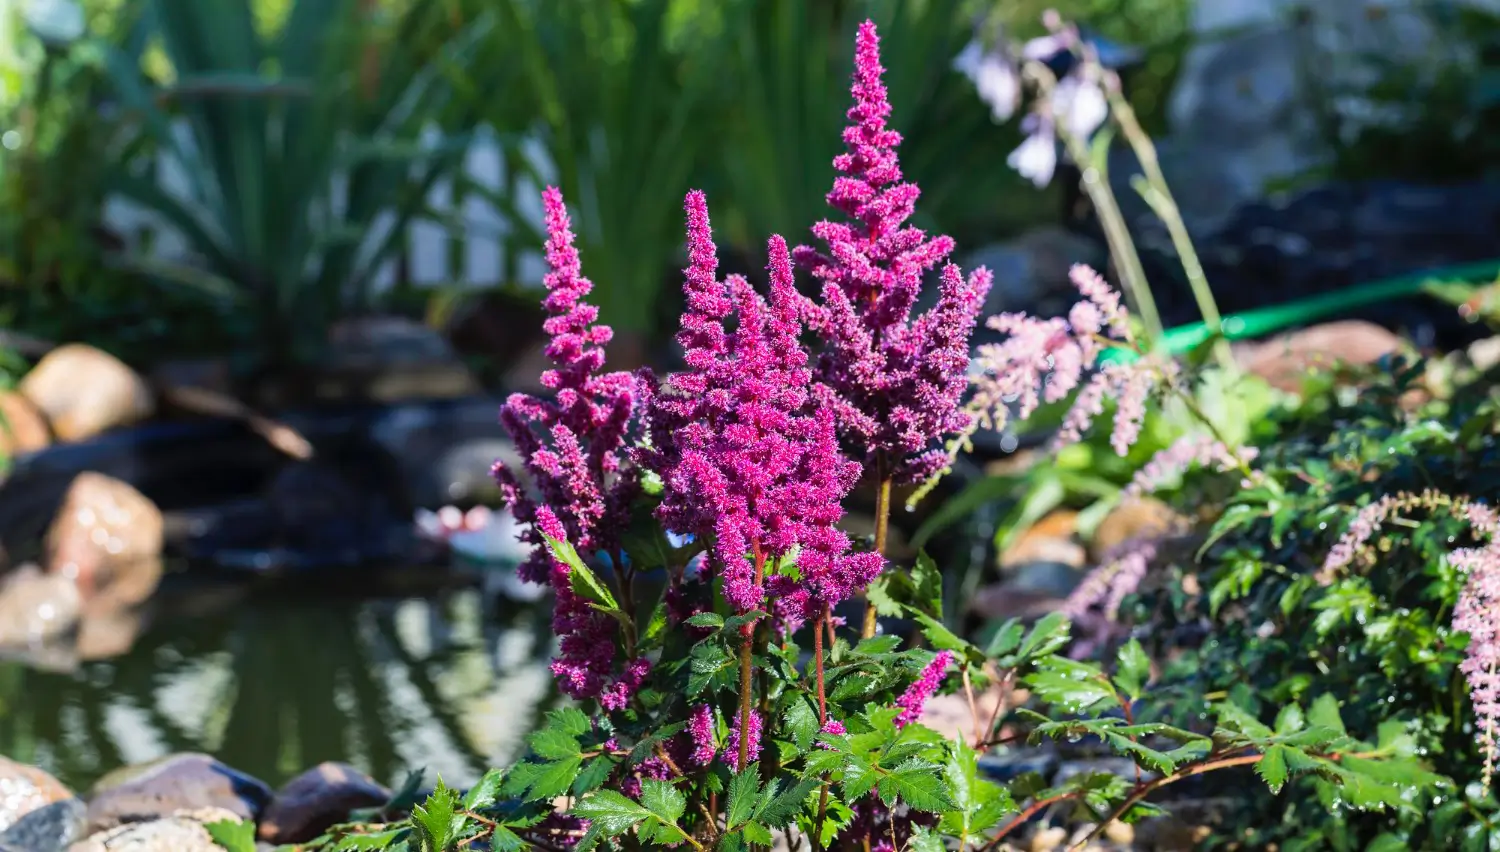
(700, 720)
(895, 381)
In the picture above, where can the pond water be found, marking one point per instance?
(273, 684)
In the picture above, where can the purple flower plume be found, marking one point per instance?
(745, 452)
(571, 448)
(897, 383)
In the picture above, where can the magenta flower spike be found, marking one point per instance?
(571, 447)
(897, 383)
(745, 451)
(914, 699)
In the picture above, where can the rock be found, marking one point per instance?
(1052, 539)
(1031, 271)
(181, 830)
(36, 607)
(170, 784)
(1284, 361)
(316, 800)
(83, 391)
(209, 374)
(1048, 839)
(23, 429)
(24, 790)
(1134, 519)
(107, 537)
(503, 329)
(50, 828)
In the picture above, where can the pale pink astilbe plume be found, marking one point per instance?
(1353, 544)
(1477, 613)
(1477, 610)
(1184, 454)
(745, 451)
(897, 384)
(1044, 360)
(571, 447)
(732, 742)
(1118, 576)
(915, 697)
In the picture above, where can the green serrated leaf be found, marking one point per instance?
(437, 819)
(376, 840)
(927, 586)
(1070, 685)
(757, 834)
(664, 800)
(1272, 767)
(801, 722)
(1133, 669)
(610, 814)
(1325, 713)
(486, 791)
(553, 779)
(706, 619)
(917, 783)
(780, 810)
(1290, 720)
(744, 793)
(234, 835)
(554, 744)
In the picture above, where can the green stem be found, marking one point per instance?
(1096, 184)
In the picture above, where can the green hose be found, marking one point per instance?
(1263, 321)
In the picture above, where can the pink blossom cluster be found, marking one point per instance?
(1477, 613)
(1184, 454)
(701, 731)
(896, 382)
(732, 742)
(915, 697)
(1368, 521)
(1118, 576)
(745, 452)
(571, 448)
(1045, 360)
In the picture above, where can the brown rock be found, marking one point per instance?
(36, 607)
(1284, 360)
(171, 784)
(23, 429)
(24, 789)
(1135, 519)
(179, 831)
(107, 537)
(316, 800)
(83, 391)
(1052, 539)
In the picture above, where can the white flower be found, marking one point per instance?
(1081, 106)
(1036, 158)
(993, 76)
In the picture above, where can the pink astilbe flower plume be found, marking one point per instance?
(896, 383)
(571, 448)
(1477, 613)
(745, 453)
(1183, 454)
(915, 697)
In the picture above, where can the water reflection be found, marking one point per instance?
(272, 686)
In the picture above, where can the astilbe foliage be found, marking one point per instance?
(897, 382)
(1477, 610)
(571, 447)
(746, 453)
